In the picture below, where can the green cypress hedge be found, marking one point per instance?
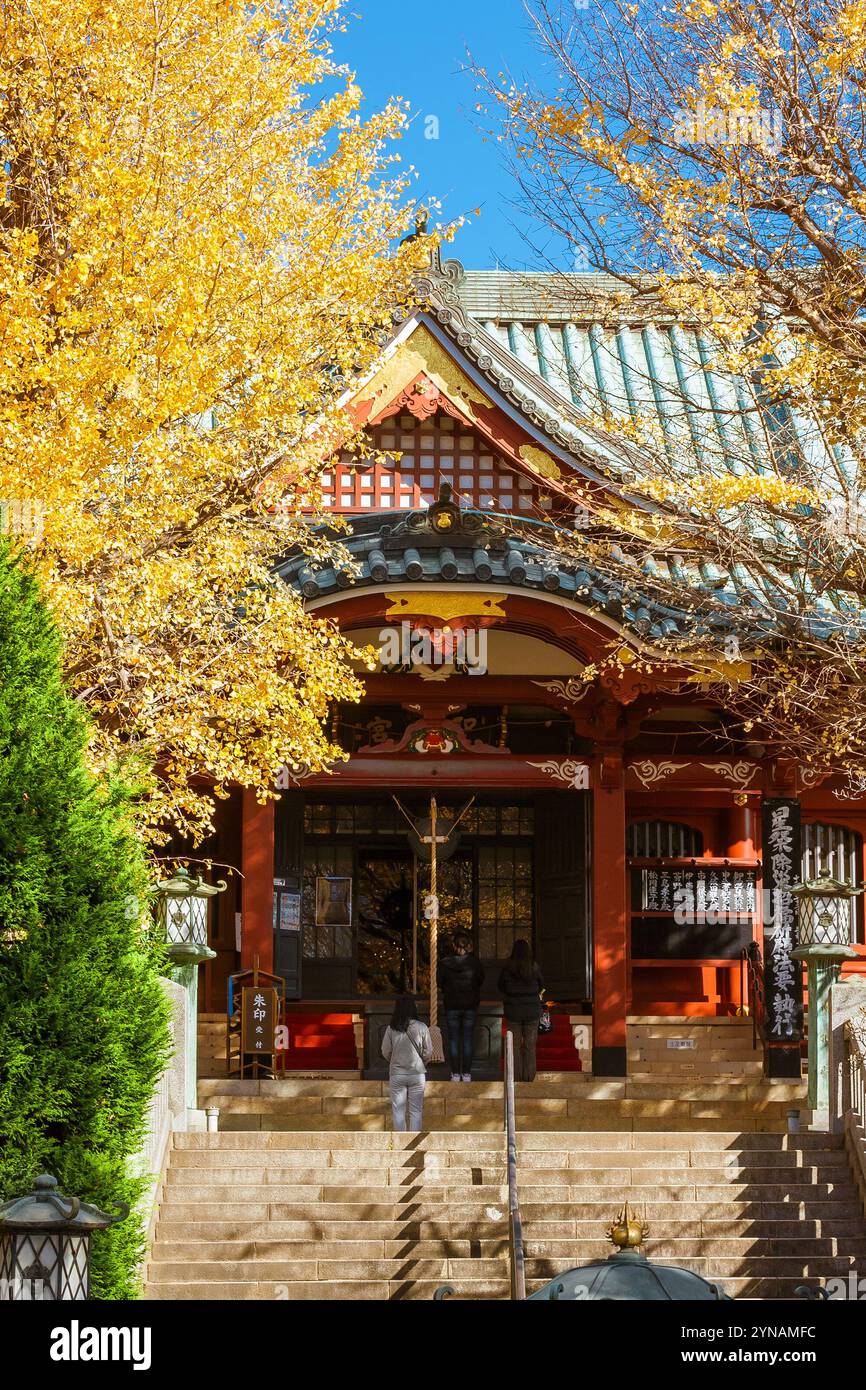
(83, 1020)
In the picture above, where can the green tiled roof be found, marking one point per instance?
(605, 350)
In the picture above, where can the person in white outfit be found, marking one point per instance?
(407, 1046)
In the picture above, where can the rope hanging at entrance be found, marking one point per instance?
(434, 840)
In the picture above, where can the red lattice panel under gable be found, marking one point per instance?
(417, 457)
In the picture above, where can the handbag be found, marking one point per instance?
(417, 1049)
(545, 1021)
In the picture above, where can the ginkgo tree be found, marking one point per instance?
(710, 156)
(197, 252)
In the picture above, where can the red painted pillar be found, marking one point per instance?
(609, 918)
(741, 840)
(257, 900)
(742, 833)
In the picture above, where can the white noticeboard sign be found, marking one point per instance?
(681, 1044)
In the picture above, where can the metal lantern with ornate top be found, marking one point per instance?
(182, 912)
(182, 904)
(824, 912)
(823, 942)
(45, 1244)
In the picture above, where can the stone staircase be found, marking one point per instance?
(296, 1214)
(304, 1192)
(302, 1215)
(757, 1212)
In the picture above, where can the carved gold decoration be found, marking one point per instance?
(810, 777)
(286, 778)
(539, 461)
(571, 772)
(739, 773)
(445, 604)
(648, 773)
(571, 690)
(422, 353)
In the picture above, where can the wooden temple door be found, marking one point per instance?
(562, 893)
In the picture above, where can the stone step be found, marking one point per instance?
(573, 1085)
(587, 1227)
(729, 1228)
(382, 1291)
(299, 1192)
(433, 1177)
(466, 1140)
(570, 1253)
(712, 1171)
(566, 1252)
(440, 1227)
(417, 1210)
(317, 1111)
(312, 1248)
(720, 1267)
(689, 1208)
(475, 1122)
(360, 1160)
(531, 1196)
(201, 1271)
(664, 1206)
(189, 1165)
(334, 1184)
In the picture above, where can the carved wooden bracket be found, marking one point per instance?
(610, 768)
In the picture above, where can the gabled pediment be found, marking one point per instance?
(419, 442)
(428, 404)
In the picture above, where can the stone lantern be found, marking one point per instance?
(182, 908)
(45, 1244)
(823, 942)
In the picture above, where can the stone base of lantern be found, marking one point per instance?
(823, 964)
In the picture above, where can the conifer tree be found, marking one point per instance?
(83, 1021)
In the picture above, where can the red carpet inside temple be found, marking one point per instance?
(321, 1042)
(556, 1050)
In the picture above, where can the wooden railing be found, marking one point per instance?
(854, 1102)
(516, 1255)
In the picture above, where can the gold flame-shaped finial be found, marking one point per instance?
(628, 1232)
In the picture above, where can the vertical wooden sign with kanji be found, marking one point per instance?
(260, 1012)
(783, 976)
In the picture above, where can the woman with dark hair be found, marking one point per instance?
(460, 976)
(407, 1047)
(521, 986)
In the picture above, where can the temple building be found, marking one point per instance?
(623, 823)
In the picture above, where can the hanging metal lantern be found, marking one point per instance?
(45, 1244)
(824, 912)
(182, 914)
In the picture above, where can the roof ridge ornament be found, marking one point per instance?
(446, 517)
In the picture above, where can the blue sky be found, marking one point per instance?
(420, 53)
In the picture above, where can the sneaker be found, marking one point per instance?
(455, 1076)
(467, 1076)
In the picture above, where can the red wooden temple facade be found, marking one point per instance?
(622, 823)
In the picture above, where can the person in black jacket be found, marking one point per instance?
(460, 977)
(521, 986)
